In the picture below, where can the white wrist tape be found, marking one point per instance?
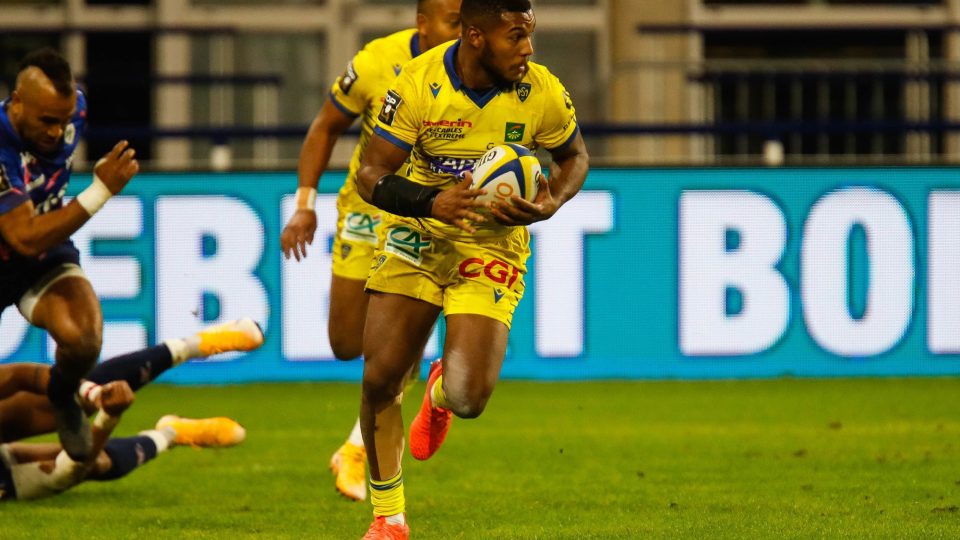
(95, 196)
(104, 421)
(306, 198)
(89, 391)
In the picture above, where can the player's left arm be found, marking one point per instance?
(567, 174)
(559, 133)
(59, 471)
(23, 377)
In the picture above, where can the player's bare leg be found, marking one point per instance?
(29, 413)
(462, 383)
(348, 313)
(70, 311)
(396, 331)
(473, 355)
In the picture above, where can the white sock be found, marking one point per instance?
(356, 438)
(182, 349)
(396, 519)
(162, 438)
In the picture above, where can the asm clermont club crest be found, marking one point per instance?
(523, 91)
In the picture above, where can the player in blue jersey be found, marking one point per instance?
(27, 413)
(444, 111)
(34, 470)
(40, 128)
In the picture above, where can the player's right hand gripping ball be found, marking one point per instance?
(507, 170)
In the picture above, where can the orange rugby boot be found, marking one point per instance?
(238, 335)
(381, 530)
(430, 427)
(208, 432)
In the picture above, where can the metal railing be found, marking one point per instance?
(734, 112)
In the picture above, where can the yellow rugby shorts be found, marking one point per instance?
(358, 227)
(461, 277)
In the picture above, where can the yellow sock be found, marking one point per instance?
(387, 496)
(437, 395)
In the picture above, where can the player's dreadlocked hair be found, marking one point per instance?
(481, 13)
(54, 66)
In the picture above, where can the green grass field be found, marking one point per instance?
(860, 458)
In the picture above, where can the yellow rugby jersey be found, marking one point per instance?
(359, 91)
(447, 127)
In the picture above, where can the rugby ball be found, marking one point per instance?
(507, 170)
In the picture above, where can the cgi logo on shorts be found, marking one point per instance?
(407, 243)
(496, 271)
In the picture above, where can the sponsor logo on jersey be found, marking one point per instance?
(448, 123)
(495, 270)
(69, 134)
(447, 130)
(451, 165)
(523, 91)
(567, 101)
(435, 88)
(408, 243)
(52, 202)
(513, 132)
(348, 78)
(389, 109)
(396, 69)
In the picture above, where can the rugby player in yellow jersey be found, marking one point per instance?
(446, 108)
(358, 92)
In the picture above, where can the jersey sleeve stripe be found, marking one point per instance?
(393, 139)
(566, 143)
(343, 108)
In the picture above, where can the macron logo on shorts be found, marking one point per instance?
(497, 295)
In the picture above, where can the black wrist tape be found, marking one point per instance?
(402, 197)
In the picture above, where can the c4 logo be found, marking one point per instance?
(408, 243)
(360, 227)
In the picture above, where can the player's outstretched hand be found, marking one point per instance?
(458, 205)
(116, 397)
(523, 212)
(117, 167)
(298, 233)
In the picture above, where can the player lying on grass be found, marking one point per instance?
(36, 470)
(26, 412)
(29, 471)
